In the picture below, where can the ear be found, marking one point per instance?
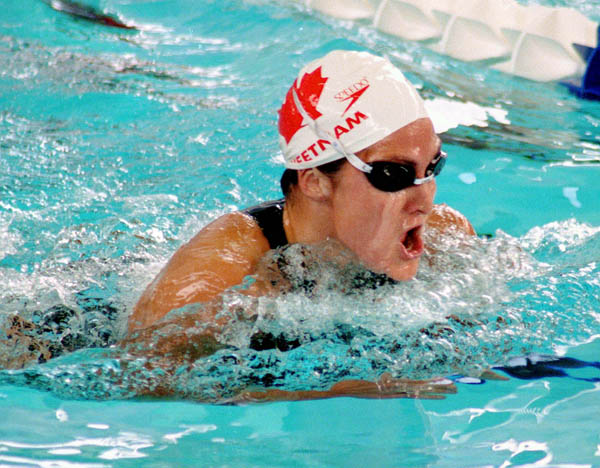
(314, 184)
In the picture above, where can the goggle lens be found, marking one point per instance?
(390, 176)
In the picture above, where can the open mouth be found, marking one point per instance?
(413, 242)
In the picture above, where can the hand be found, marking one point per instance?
(385, 387)
(389, 387)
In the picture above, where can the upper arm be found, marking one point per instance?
(444, 218)
(221, 255)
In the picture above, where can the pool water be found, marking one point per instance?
(116, 146)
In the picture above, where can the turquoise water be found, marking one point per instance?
(117, 146)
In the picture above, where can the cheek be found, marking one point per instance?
(366, 221)
(354, 211)
(358, 226)
(370, 224)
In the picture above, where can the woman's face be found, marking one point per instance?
(385, 228)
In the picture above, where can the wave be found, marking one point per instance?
(475, 303)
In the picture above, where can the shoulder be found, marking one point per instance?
(221, 255)
(444, 218)
(234, 237)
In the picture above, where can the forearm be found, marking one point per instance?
(385, 387)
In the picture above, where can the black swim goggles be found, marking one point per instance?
(387, 176)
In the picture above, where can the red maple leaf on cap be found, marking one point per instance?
(309, 93)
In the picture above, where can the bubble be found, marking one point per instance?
(476, 302)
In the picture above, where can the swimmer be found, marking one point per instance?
(361, 156)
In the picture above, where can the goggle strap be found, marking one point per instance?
(357, 162)
(424, 180)
(334, 142)
(435, 172)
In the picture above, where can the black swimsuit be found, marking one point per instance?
(269, 216)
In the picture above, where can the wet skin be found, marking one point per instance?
(384, 229)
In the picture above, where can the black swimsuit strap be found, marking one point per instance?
(269, 216)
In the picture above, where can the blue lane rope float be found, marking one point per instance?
(588, 87)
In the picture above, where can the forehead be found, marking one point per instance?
(415, 142)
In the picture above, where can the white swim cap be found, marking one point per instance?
(354, 97)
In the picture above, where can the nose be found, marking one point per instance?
(419, 198)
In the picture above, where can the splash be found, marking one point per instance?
(475, 303)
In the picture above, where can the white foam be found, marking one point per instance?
(447, 114)
(10, 240)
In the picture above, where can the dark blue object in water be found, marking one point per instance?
(589, 86)
(538, 366)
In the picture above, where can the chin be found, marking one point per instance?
(404, 272)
